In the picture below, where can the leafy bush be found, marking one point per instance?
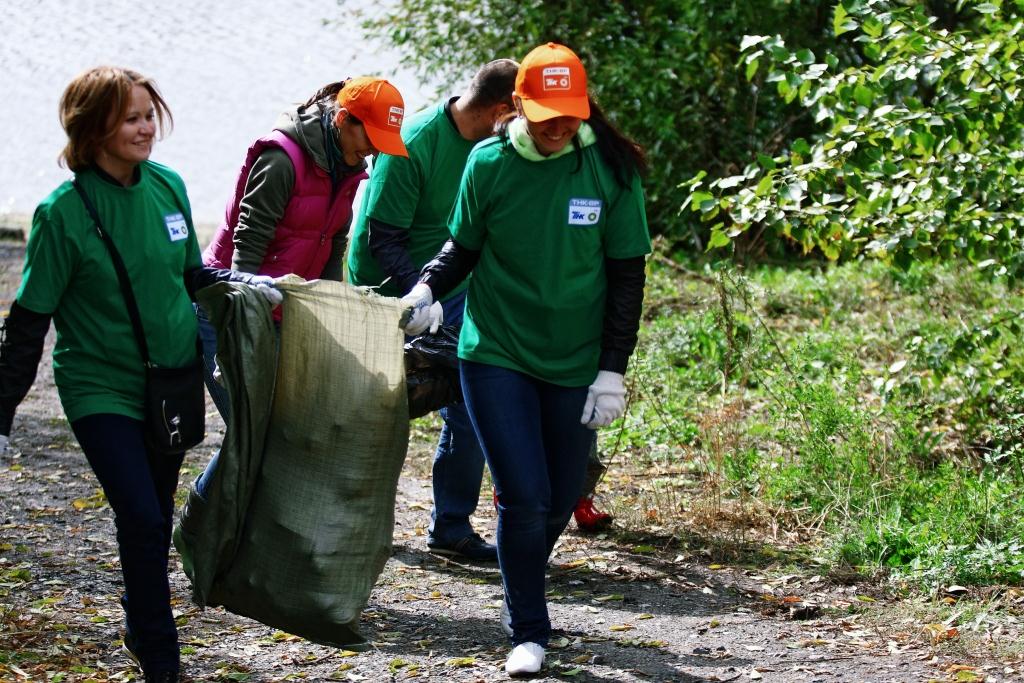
(663, 70)
(828, 408)
(920, 156)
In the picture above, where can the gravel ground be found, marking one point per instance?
(626, 608)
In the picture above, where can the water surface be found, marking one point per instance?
(226, 70)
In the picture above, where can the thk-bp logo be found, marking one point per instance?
(556, 78)
(177, 228)
(584, 211)
(395, 116)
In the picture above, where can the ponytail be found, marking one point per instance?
(623, 154)
(328, 92)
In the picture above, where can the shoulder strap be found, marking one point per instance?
(122, 274)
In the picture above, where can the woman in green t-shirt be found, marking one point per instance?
(550, 220)
(111, 116)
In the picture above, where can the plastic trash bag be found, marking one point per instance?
(432, 371)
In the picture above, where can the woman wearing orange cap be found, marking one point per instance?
(550, 220)
(292, 202)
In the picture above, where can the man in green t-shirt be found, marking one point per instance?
(402, 224)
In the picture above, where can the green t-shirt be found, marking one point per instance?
(68, 273)
(416, 194)
(544, 228)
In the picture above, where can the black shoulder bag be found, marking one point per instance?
(174, 402)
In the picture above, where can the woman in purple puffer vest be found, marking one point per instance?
(292, 202)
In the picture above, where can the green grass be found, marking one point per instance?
(871, 414)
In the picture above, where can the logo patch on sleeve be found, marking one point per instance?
(584, 211)
(177, 228)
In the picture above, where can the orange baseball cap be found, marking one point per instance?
(552, 82)
(380, 107)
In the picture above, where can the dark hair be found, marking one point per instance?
(93, 106)
(493, 84)
(327, 97)
(624, 155)
(328, 92)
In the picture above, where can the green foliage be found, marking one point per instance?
(663, 70)
(864, 401)
(941, 528)
(920, 154)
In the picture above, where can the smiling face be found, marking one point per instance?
(552, 135)
(355, 143)
(132, 140)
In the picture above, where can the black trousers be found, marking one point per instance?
(139, 486)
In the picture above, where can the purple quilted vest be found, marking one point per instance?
(302, 238)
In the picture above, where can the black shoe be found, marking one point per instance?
(162, 677)
(131, 649)
(471, 547)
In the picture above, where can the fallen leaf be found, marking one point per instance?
(461, 662)
(574, 564)
(558, 643)
(281, 637)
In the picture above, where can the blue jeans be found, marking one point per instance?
(537, 452)
(139, 486)
(458, 461)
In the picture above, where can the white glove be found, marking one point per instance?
(264, 284)
(606, 400)
(4, 440)
(421, 311)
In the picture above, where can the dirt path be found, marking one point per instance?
(628, 609)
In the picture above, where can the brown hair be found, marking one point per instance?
(327, 98)
(93, 106)
(327, 93)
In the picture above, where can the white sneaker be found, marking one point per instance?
(505, 619)
(525, 659)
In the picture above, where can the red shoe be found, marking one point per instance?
(494, 496)
(588, 518)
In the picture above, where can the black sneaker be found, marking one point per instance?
(162, 677)
(131, 649)
(471, 547)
